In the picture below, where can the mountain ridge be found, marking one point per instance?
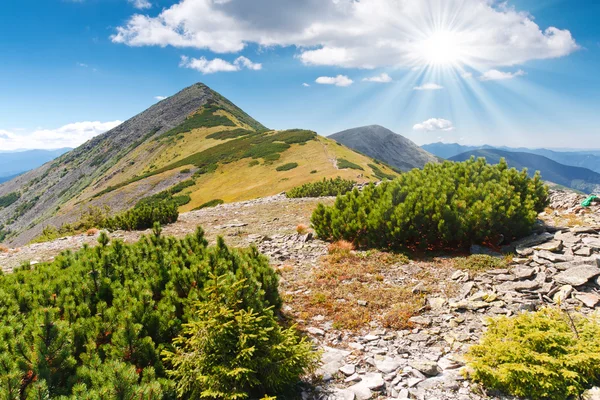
(578, 178)
(584, 158)
(195, 135)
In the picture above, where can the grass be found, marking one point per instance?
(208, 204)
(344, 277)
(205, 118)
(379, 174)
(9, 199)
(287, 167)
(342, 163)
(229, 134)
(237, 182)
(481, 262)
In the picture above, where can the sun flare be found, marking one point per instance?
(442, 48)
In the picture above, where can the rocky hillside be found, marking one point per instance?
(577, 178)
(366, 356)
(382, 144)
(196, 136)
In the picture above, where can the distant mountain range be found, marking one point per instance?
(382, 144)
(15, 163)
(585, 158)
(578, 178)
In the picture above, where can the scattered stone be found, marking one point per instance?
(373, 381)
(388, 365)
(518, 286)
(591, 300)
(348, 369)
(361, 392)
(362, 303)
(553, 246)
(315, 331)
(419, 288)
(436, 303)
(562, 294)
(428, 368)
(420, 320)
(583, 251)
(342, 394)
(577, 276)
(592, 394)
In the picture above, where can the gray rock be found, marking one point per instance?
(531, 241)
(584, 251)
(373, 381)
(552, 257)
(333, 360)
(591, 300)
(348, 369)
(429, 368)
(315, 331)
(562, 294)
(387, 365)
(577, 276)
(523, 272)
(420, 320)
(361, 392)
(553, 246)
(593, 242)
(592, 394)
(518, 286)
(342, 394)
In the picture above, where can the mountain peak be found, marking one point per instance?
(383, 144)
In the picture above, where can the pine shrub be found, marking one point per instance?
(92, 324)
(345, 164)
(443, 205)
(543, 355)
(144, 216)
(286, 167)
(326, 187)
(230, 352)
(208, 204)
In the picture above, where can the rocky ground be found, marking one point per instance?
(558, 265)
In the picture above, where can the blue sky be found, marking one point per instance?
(487, 73)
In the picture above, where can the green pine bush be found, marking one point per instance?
(208, 204)
(345, 164)
(326, 187)
(144, 216)
(286, 167)
(443, 205)
(229, 352)
(93, 324)
(543, 355)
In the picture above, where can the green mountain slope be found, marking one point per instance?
(573, 177)
(196, 136)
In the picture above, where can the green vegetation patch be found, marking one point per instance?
(9, 199)
(256, 145)
(208, 204)
(379, 174)
(326, 187)
(447, 205)
(287, 167)
(205, 118)
(231, 134)
(480, 262)
(118, 318)
(543, 355)
(345, 164)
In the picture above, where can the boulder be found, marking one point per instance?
(577, 276)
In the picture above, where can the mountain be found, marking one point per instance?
(7, 178)
(584, 158)
(382, 144)
(577, 178)
(197, 136)
(15, 163)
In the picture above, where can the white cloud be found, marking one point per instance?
(467, 75)
(82, 65)
(361, 34)
(246, 63)
(428, 86)
(340, 80)
(218, 65)
(305, 84)
(159, 98)
(495, 75)
(141, 4)
(383, 78)
(70, 135)
(434, 124)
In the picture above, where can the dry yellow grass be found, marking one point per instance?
(351, 289)
(237, 181)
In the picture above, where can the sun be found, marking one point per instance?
(442, 48)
